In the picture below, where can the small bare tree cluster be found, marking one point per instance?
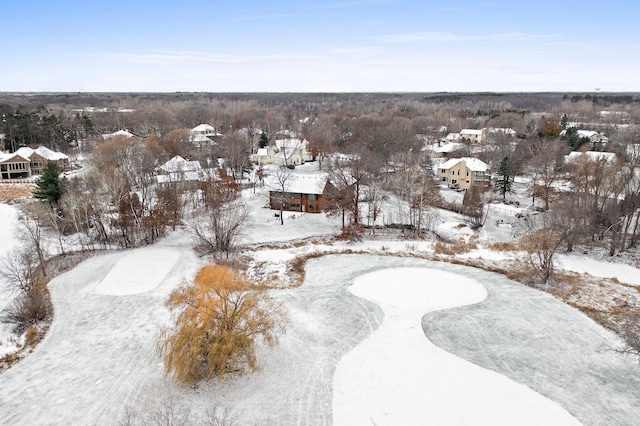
(541, 247)
(24, 269)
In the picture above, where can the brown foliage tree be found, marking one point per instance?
(220, 318)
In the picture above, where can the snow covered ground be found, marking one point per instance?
(8, 223)
(393, 340)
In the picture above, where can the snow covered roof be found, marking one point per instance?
(609, 157)
(445, 147)
(189, 176)
(204, 128)
(471, 132)
(304, 183)
(42, 151)
(505, 130)
(472, 164)
(452, 137)
(125, 133)
(179, 164)
(14, 155)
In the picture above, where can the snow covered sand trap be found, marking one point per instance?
(138, 272)
(397, 376)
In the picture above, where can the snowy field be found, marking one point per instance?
(371, 340)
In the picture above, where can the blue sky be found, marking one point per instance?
(312, 46)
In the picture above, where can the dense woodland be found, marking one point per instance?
(383, 135)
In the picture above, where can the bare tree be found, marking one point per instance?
(544, 168)
(279, 184)
(541, 247)
(220, 228)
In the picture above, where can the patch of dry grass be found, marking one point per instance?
(11, 192)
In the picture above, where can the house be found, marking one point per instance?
(40, 157)
(14, 166)
(595, 138)
(442, 149)
(472, 135)
(123, 133)
(284, 152)
(182, 174)
(463, 173)
(204, 135)
(304, 193)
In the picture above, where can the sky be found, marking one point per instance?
(315, 46)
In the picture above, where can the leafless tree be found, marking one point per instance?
(220, 228)
(279, 184)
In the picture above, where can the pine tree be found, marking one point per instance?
(49, 187)
(505, 177)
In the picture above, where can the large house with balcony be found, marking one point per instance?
(463, 173)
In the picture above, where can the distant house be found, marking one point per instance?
(123, 133)
(304, 193)
(183, 174)
(204, 135)
(41, 156)
(463, 173)
(472, 135)
(14, 166)
(443, 149)
(595, 138)
(284, 152)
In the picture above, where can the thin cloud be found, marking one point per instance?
(171, 57)
(450, 37)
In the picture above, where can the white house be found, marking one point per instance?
(204, 135)
(284, 152)
(472, 135)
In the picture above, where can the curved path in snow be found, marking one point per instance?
(397, 376)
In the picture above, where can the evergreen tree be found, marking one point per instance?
(264, 140)
(505, 177)
(49, 187)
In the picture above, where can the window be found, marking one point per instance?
(467, 173)
(312, 197)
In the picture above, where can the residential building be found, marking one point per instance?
(472, 135)
(204, 135)
(284, 152)
(304, 193)
(14, 166)
(463, 173)
(41, 156)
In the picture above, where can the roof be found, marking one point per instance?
(6, 157)
(118, 133)
(304, 183)
(179, 164)
(472, 164)
(592, 156)
(194, 175)
(42, 151)
(203, 128)
(471, 132)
